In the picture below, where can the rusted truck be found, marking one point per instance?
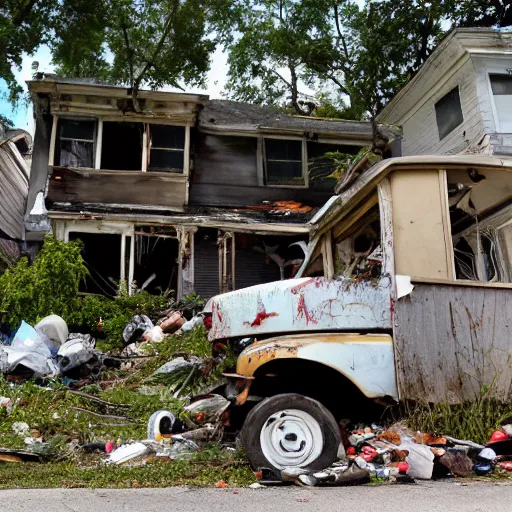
(404, 294)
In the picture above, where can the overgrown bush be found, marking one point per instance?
(49, 285)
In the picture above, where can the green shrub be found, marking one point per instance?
(49, 285)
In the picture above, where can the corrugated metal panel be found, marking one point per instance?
(206, 263)
(451, 341)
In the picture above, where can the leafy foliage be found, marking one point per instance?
(358, 57)
(49, 285)
(134, 42)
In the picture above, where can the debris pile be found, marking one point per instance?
(396, 454)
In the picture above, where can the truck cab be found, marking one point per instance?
(404, 294)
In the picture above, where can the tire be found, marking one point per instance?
(290, 430)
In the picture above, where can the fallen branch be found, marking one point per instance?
(110, 416)
(96, 399)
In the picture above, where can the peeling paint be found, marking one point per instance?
(307, 304)
(366, 360)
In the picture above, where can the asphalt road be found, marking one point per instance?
(421, 497)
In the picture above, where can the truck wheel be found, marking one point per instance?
(290, 430)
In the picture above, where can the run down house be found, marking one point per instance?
(185, 193)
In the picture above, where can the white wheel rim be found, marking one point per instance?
(291, 438)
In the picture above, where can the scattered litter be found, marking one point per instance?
(127, 452)
(221, 484)
(256, 485)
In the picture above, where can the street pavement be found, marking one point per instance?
(421, 497)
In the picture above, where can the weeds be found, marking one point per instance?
(475, 420)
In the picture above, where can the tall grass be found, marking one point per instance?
(473, 420)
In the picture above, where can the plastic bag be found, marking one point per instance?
(420, 460)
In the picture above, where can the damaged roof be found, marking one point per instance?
(235, 115)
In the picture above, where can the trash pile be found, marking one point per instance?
(49, 350)
(398, 455)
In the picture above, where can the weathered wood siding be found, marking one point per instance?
(117, 187)
(450, 341)
(420, 132)
(226, 174)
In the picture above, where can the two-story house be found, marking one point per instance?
(181, 193)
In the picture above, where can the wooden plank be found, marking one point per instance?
(134, 188)
(452, 342)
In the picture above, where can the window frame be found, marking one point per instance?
(151, 148)
(98, 142)
(304, 161)
(448, 133)
(495, 71)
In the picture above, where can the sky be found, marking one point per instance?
(22, 115)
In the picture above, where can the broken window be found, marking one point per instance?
(167, 148)
(122, 146)
(358, 251)
(448, 113)
(75, 146)
(156, 259)
(502, 91)
(481, 221)
(101, 253)
(284, 162)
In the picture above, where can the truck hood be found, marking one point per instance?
(299, 305)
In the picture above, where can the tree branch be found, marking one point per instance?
(340, 34)
(129, 52)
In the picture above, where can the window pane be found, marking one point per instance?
(501, 85)
(71, 129)
(75, 153)
(163, 136)
(284, 173)
(162, 160)
(283, 149)
(448, 113)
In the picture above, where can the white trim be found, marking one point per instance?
(53, 140)
(99, 144)
(145, 139)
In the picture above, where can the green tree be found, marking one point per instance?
(359, 57)
(131, 42)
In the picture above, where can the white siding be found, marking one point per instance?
(420, 132)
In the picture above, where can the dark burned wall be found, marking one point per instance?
(117, 187)
(225, 174)
(451, 341)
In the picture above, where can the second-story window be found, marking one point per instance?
(502, 92)
(448, 113)
(167, 148)
(75, 147)
(283, 162)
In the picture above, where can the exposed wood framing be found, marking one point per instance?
(386, 229)
(327, 253)
(447, 228)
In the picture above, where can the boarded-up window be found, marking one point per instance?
(167, 148)
(284, 162)
(448, 113)
(502, 92)
(75, 147)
